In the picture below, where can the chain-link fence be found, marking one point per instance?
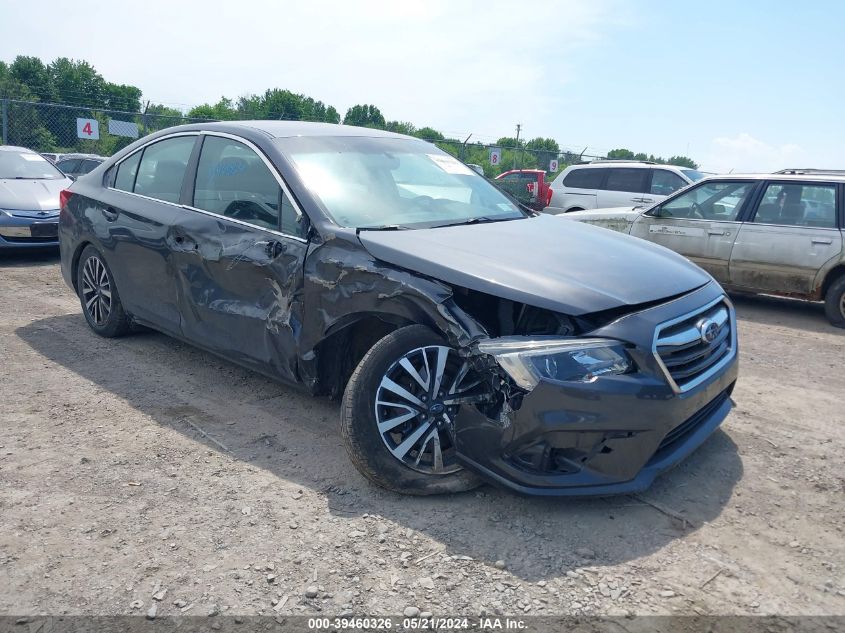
(50, 127)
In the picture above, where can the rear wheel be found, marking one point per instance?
(98, 295)
(398, 413)
(834, 302)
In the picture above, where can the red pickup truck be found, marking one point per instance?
(536, 192)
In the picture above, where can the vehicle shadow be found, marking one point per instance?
(29, 258)
(294, 436)
(791, 313)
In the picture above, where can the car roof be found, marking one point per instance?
(626, 164)
(89, 156)
(776, 176)
(15, 148)
(286, 129)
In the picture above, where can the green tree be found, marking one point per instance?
(401, 127)
(223, 110)
(32, 73)
(683, 161)
(622, 154)
(364, 116)
(429, 134)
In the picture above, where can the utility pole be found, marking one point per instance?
(518, 128)
(6, 122)
(464, 146)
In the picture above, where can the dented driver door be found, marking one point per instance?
(240, 259)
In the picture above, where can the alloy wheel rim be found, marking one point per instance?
(842, 305)
(96, 290)
(416, 404)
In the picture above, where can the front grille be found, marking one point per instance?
(693, 347)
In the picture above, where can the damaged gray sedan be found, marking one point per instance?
(468, 337)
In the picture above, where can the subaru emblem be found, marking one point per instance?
(709, 330)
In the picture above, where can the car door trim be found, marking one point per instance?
(188, 207)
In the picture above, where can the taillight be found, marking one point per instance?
(64, 196)
(549, 199)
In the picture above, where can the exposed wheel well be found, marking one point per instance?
(340, 352)
(574, 209)
(832, 276)
(74, 262)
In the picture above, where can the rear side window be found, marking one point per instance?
(163, 167)
(126, 171)
(796, 204)
(664, 182)
(233, 181)
(584, 178)
(632, 180)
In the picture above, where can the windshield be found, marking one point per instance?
(27, 165)
(693, 174)
(393, 183)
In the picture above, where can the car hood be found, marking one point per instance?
(568, 267)
(32, 195)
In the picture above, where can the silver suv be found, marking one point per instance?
(777, 233)
(616, 183)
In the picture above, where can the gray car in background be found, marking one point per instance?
(76, 165)
(29, 199)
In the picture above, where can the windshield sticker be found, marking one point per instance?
(34, 157)
(450, 165)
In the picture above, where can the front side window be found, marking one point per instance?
(17, 165)
(798, 205)
(632, 180)
(587, 178)
(664, 182)
(708, 201)
(162, 168)
(234, 182)
(364, 182)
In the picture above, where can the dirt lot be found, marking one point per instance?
(141, 471)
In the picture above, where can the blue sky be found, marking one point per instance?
(747, 85)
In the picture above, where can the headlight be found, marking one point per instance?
(527, 360)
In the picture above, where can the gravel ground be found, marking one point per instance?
(140, 472)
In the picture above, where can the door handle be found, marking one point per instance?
(822, 240)
(110, 214)
(715, 232)
(274, 248)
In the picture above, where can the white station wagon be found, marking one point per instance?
(777, 234)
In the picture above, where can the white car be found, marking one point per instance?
(777, 234)
(612, 183)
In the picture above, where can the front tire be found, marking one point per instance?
(834, 302)
(398, 410)
(98, 295)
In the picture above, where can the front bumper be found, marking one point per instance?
(28, 232)
(611, 436)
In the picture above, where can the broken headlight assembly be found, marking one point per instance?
(527, 360)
